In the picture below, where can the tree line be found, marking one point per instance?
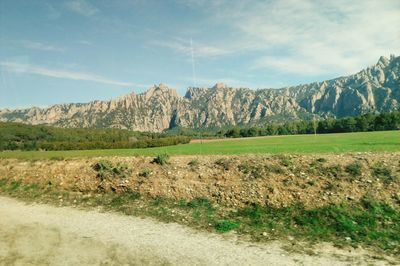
(366, 122)
(17, 136)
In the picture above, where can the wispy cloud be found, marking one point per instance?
(309, 37)
(184, 47)
(82, 7)
(54, 73)
(41, 46)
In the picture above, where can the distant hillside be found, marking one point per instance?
(375, 89)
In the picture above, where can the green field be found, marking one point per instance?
(324, 143)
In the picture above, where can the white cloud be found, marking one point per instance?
(184, 47)
(82, 7)
(310, 37)
(41, 46)
(54, 73)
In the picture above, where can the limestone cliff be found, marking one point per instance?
(375, 89)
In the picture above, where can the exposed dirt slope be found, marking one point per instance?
(313, 180)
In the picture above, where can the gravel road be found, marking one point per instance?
(36, 234)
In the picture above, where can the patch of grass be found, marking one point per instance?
(161, 159)
(145, 172)
(354, 169)
(31, 187)
(226, 225)
(157, 201)
(14, 185)
(199, 202)
(224, 163)
(368, 222)
(117, 201)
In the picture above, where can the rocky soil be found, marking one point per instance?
(313, 180)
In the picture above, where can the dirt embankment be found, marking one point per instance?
(313, 180)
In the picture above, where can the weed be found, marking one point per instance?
(275, 169)
(252, 170)
(31, 187)
(199, 202)
(117, 201)
(133, 195)
(161, 159)
(321, 160)
(56, 158)
(14, 185)
(193, 164)
(333, 170)
(226, 225)
(286, 162)
(182, 203)
(383, 172)
(157, 201)
(145, 172)
(354, 169)
(105, 169)
(224, 163)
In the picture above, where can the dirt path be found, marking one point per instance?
(46, 235)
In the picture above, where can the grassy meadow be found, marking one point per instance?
(323, 143)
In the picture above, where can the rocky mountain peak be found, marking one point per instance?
(383, 61)
(219, 85)
(374, 89)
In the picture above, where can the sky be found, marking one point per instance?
(55, 51)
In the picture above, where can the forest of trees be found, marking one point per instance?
(366, 122)
(16, 136)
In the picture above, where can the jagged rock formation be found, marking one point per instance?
(375, 89)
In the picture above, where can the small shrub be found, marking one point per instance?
(224, 163)
(145, 172)
(354, 169)
(226, 225)
(102, 165)
(161, 159)
(106, 169)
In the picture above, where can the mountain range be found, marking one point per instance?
(374, 89)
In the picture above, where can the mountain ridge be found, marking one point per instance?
(374, 89)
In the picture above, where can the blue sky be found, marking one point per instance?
(81, 50)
